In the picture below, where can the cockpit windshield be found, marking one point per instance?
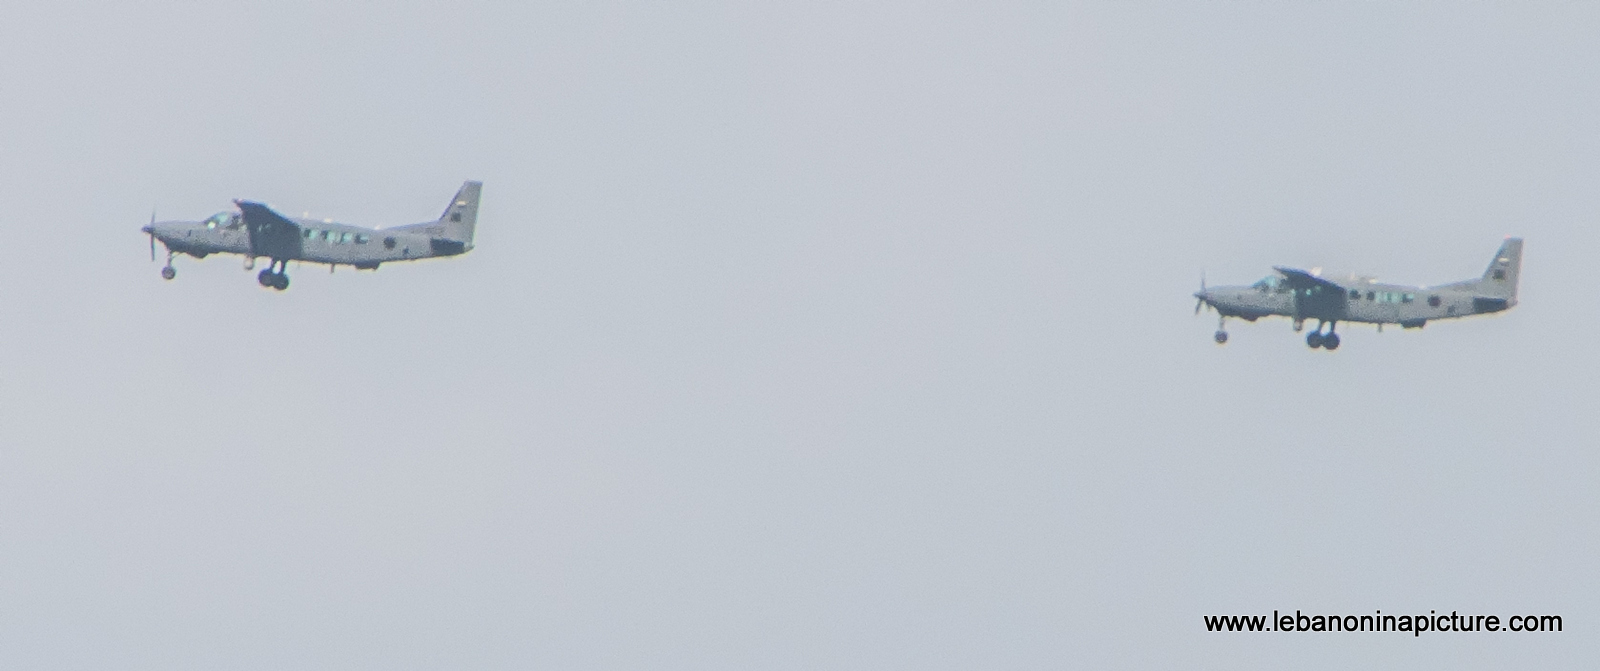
(1269, 284)
(223, 220)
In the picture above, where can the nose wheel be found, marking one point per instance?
(1221, 336)
(274, 278)
(167, 271)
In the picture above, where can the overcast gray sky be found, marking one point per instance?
(849, 335)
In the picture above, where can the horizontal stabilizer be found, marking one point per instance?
(1481, 304)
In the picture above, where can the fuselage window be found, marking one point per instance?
(1355, 295)
(1407, 298)
(310, 233)
(361, 238)
(1433, 301)
(1371, 295)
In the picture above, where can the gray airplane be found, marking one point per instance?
(256, 231)
(1301, 295)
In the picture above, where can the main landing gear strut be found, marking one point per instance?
(167, 271)
(1328, 341)
(275, 275)
(1222, 331)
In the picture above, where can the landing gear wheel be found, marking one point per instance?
(1314, 339)
(168, 273)
(265, 277)
(1221, 337)
(281, 282)
(1330, 342)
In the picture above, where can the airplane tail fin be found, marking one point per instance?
(460, 219)
(1500, 279)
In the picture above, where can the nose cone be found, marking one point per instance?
(163, 230)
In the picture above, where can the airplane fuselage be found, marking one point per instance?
(256, 231)
(319, 242)
(1301, 295)
(1366, 302)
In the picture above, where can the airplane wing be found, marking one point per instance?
(271, 234)
(1300, 279)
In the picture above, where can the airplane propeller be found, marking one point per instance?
(151, 229)
(1200, 302)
